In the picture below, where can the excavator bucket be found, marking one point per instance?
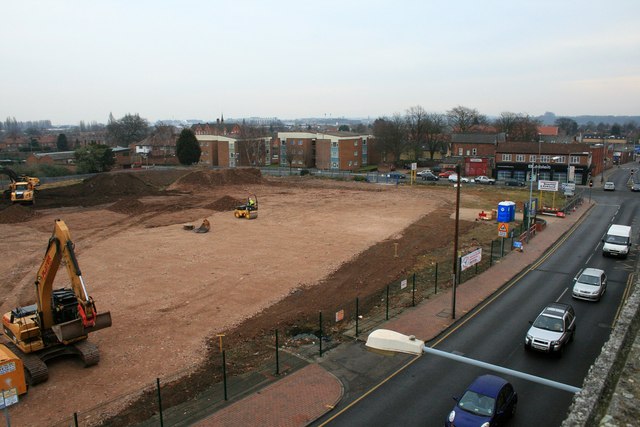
(73, 329)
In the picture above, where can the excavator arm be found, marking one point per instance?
(61, 248)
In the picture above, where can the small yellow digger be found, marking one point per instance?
(249, 210)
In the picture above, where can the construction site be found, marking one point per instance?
(167, 253)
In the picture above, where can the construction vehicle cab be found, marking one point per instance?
(249, 210)
(60, 320)
(22, 189)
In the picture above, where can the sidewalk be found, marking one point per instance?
(312, 391)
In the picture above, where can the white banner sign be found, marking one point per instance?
(547, 185)
(471, 259)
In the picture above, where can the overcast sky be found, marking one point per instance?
(73, 60)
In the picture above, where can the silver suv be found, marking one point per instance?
(554, 327)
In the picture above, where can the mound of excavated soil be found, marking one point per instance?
(128, 206)
(208, 179)
(225, 203)
(16, 213)
(117, 184)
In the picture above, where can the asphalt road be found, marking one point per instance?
(421, 394)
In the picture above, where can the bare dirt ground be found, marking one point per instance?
(170, 290)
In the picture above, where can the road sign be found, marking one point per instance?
(503, 229)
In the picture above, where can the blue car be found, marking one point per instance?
(489, 401)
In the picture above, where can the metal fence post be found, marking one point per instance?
(159, 401)
(491, 255)
(387, 315)
(436, 279)
(277, 356)
(357, 315)
(413, 292)
(320, 340)
(224, 375)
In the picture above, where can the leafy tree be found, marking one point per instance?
(94, 158)
(616, 129)
(343, 128)
(187, 148)
(128, 130)
(62, 144)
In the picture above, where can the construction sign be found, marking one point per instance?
(503, 229)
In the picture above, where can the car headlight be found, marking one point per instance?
(452, 416)
(555, 343)
(487, 424)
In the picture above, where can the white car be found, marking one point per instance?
(609, 186)
(590, 284)
(424, 172)
(454, 178)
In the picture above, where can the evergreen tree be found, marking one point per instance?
(62, 144)
(187, 148)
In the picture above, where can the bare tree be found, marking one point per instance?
(435, 138)
(518, 127)
(291, 154)
(390, 136)
(462, 119)
(417, 128)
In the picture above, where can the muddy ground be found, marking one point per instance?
(316, 243)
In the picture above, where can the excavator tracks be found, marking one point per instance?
(88, 352)
(35, 369)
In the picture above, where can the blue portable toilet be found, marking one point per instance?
(506, 211)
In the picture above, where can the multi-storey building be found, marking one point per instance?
(554, 162)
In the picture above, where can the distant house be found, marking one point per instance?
(57, 158)
(232, 151)
(476, 151)
(158, 148)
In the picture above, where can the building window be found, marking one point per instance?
(559, 159)
(532, 158)
(334, 144)
(474, 151)
(506, 157)
(460, 151)
(575, 160)
(545, 158)
(355, 154)
(520, 158)
(364, 142)
(355, 143)
(300, 142)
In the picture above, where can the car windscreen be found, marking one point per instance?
(549, 323)
(477, 404)
(589, 280)
(616, 240)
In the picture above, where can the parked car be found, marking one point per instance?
(514, 183)
(609, 186)
(552, 330)
(454, 178)
(635, 186)
(482, 179)
(590, 284)
(488, 401)
(424, 172)
(429, 177)
(396, 176)
(445, 174)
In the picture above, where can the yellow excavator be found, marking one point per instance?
(249, 210)
(60, 321)
(22, 188)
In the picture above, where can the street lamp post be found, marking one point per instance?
(530, 201)
(604, 158)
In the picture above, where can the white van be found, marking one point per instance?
(617, 241)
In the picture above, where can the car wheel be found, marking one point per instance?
(513, 410)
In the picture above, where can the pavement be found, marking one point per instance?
(312, 392)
